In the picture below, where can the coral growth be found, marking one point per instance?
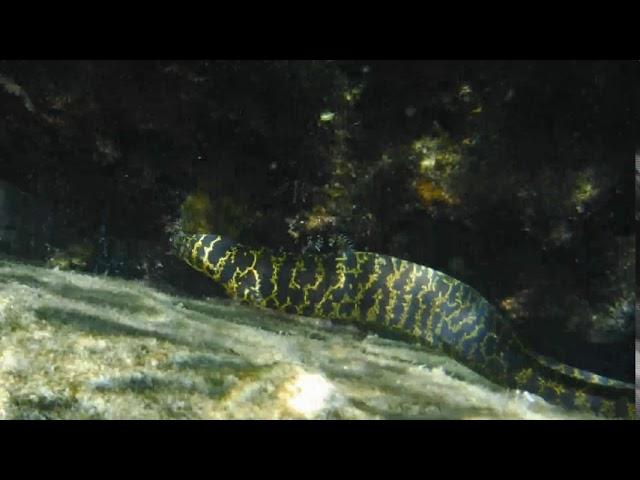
(438, 161)
(429, 193)
(199, 214)
(76, 256)
(585, 190)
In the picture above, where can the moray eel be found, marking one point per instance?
(395, 296)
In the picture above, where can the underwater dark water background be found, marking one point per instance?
(514, 176)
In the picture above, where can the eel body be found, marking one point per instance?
(399, 297)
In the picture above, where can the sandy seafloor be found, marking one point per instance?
(75, 346)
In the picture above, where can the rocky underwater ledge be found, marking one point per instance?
(77, 346)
